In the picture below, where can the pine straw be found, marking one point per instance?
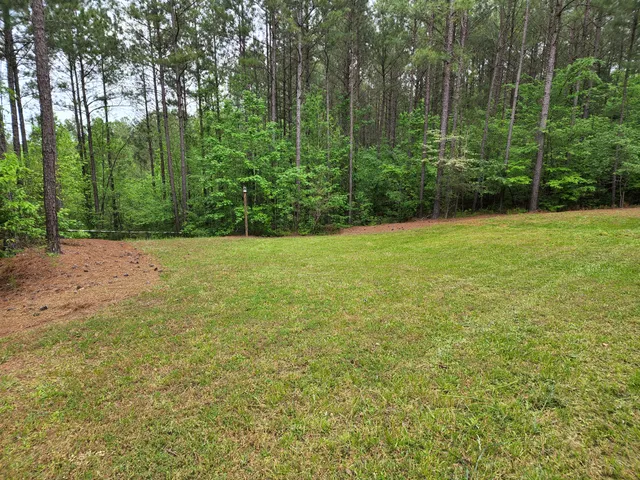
(37, 288)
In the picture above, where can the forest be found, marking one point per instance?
(329, 112)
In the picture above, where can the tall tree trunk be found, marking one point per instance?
(110, 161)
(514, 102)
(179, 72)
(444, 118)
(92, 156)
(76, 114)
(284, 91)
(490, 104)
(625, 84)
(148, 128)
(3, 138)
(352, 68)
(425, 129)
(167, 139)
(157, 105)
(216, 77)
(48, 127)
(596, 52)
(516, 89)
(327, 104)
(298, 113)
(23, 128)
(554, 25)
(183, 147)
(457, 85)
(273, 69)
(83, 139)
(10, 54)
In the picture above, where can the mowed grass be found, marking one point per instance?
(504, 348)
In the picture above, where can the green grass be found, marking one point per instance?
(507, 348)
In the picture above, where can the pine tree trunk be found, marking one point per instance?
(352, 67)
(183, 146)
(110, 161)
(274, 74)
(9, 53)
(92, 157)
(596, 52)
(298, 114)
(76, 115)
(3, 139)
(516, 89)
(23, 128)
(444, 119)
(148, 129)
(490, 102)
(157, 106)
(457, 85)
(514, 102)
(554, 25)
(327, 105)
(167, 139)
(425, 129)
(625, 84)
(179, 72)
(47, 122)
(83, 138)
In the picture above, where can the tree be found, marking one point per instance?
(444, 118)
(554, 30)
(47, 122)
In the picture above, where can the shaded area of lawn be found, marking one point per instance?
(504, 349)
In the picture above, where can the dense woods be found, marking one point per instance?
(330, 112)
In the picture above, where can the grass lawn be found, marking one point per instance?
(503, 348)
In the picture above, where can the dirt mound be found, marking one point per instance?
(36, 288)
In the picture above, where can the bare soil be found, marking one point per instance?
(36, 288)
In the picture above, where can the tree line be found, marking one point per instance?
(329, 112)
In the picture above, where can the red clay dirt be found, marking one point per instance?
(36, 289)
(391, 227)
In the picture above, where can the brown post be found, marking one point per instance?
(246, 218)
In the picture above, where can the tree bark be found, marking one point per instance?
(9, 53)
(516, 89)
(596, 51)
(444, 119)
(167, 139)
(92, 157)
(148, 129)
(327, 105)
(625, 84)
(76, 114)
(274, 74)
(489, 110)
(183, 146)
(298, 113)
(157, 106)
(352, 67)
(48, 127)
(464, 26)
(3, 139)
(425, 128)
(179, 72)
(554, 25)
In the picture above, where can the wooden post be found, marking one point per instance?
(246, 218)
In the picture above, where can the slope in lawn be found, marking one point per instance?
(506, 348)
